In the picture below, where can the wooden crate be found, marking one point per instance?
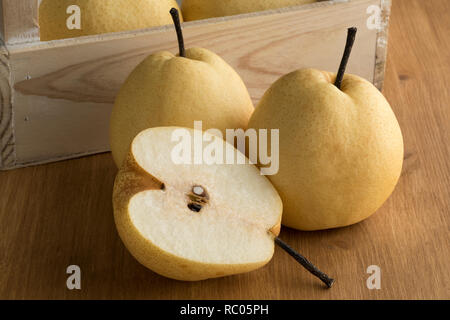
(56, 96)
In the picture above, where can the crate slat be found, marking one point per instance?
(19, 21)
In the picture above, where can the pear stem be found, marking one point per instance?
(351, 35)
(305, 262)
(176, 21)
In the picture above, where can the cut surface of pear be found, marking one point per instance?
(192, 221)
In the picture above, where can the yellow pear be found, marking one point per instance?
(204, 9)
(169, 90)
(101, 16)
(192, 221)
(341, 147)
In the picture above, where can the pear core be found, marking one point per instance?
(198, 198)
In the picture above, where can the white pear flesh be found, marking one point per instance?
(233, 232)
(341, 151)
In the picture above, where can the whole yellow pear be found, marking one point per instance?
(341, 150)
(204, 9)
(170, 90)
(102, 16)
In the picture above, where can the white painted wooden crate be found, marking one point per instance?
(56, 96)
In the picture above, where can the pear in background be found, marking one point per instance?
(341, 147)
(102, 16)
(169, 90)
(204, 9)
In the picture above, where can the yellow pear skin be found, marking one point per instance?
(102, 16)
(204, 9)
(341, 151)
(168, 90)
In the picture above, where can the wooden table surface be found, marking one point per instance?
(60, 214)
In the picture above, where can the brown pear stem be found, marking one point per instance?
(305, 262)
(176, 21)
(351, 35)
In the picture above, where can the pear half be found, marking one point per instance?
(190, 221)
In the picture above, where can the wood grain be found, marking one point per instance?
(60, 214)
(64, 90)
(7, 150)
(19, 21)
(382, 43)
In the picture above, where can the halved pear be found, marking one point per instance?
(193, 221)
